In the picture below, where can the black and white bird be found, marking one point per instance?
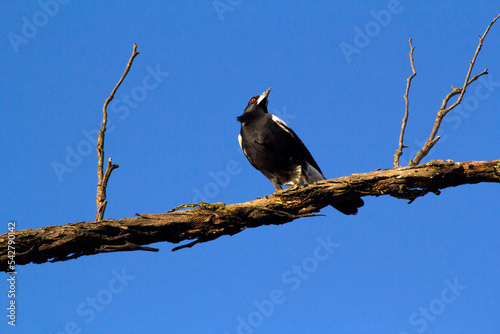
(273, 148)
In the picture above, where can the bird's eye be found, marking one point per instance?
(253, 99)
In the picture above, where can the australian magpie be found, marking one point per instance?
(273, 148)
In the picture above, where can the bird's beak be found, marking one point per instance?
(263, 96)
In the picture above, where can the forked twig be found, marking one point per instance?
(104, 177)
(455, 91)
(399, 151)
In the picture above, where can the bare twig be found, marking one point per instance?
(399, 151)
(128, 246)
(455, 91)
(104, 177)
(189, 245)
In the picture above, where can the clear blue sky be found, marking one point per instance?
(338, 71)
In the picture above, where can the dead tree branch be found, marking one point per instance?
(399, 151)
(103, 178)
(429, 144)
(207, 222)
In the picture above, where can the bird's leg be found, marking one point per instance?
(276, 185)
(304, 182)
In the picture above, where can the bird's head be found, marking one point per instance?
(256, 106)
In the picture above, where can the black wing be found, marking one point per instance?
(288, 141)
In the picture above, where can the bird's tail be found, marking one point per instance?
(349, 207)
